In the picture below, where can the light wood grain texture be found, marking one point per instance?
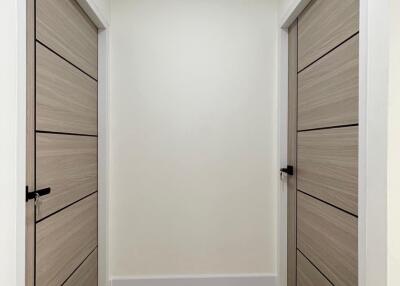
(86, 274)
(64, 240)
(30, 144)
(292, 148)
(327, 236)
(323, 25)
(307, 274)
(65, 28)
(30, 96)
(328, 90)
(30, 243)
(66, 98)
(327, 166)
(68, 165)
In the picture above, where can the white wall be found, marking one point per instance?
(8, 129)
(284, 5)
(193, 137)
(11, 166)
(394, 147)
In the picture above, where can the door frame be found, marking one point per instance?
(101, 21)
(102, 24)
(373, 103)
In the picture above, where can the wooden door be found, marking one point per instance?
(323, 145)
(61, 231)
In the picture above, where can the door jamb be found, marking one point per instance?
(21, 144)
(291, 14)
(102, 24)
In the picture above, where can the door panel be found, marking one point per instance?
(67, 164)
(323, 145)
(63, 27)
(61, 230)
(328, 238)
(66, 98)
(328, 166)
(86, 274)
(307, 274)
(64, 240)
(323, 25)
(328, 90)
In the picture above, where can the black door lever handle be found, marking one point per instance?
(38, 193)
(289, 170)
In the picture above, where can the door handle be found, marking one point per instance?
(289, 170)
(37, 193)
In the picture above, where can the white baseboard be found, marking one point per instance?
(203, 280)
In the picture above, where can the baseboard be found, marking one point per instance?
(205, 280)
